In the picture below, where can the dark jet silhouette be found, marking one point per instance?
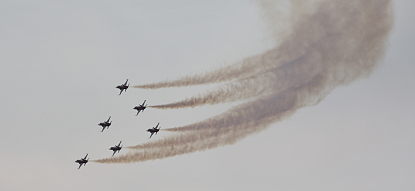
(123, 87)
(116, 148)
(141, 107)
(105, 124)
(154, 130)
(82, 161)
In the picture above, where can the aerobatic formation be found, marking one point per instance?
(328, 43)
(106, 124)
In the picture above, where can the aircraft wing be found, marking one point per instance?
(125, 82)
(86, 156)
(80, 165)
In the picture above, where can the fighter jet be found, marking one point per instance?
(105, 124)
(82, 161)
(123, 87)
(154, 130)
(116, 148)
(141, 107)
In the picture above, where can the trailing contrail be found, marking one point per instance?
(271, 81)
(247, 68)
(335, 43)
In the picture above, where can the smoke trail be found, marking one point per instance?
(338, 42)
(223, 129)
(270, 82)
(197, 140)
(246, 68)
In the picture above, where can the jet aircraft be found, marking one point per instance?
(105, 124)
(82, 161)
(123, 87)
(116, 148)
(154, 130)
(140, 107)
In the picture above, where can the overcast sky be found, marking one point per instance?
(61, 60)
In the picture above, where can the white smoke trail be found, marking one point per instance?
(274, 80)
(246, 68)
(338, 42)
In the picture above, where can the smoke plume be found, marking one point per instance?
(329, 43)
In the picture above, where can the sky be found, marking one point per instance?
(61, 60)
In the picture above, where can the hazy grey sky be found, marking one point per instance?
(61, 60)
